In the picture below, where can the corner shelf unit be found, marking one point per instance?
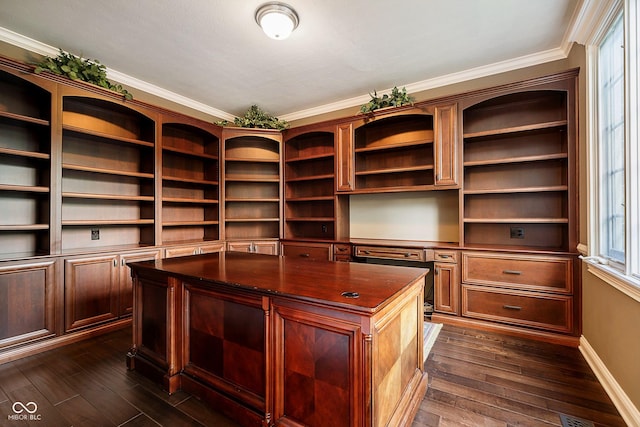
(108, 174)
(395, 153)
(309, 186)
(25, 161)
(190, 183)
(252, 187)
(518, 173)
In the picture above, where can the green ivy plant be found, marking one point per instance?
(255, 117)
(78, 68)
(397, 98)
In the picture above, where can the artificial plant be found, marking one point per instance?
(397, 98)
(78, 68)
(255, 117)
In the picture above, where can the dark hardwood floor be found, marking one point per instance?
(476, 379)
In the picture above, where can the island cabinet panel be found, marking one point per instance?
(220, 349)
(315, 376)
(31, 286)
(156, 329)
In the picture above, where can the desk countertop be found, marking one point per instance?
(317, 281)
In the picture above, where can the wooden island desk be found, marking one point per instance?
(272, 340)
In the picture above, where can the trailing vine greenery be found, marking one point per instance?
(255, 117)
(78, 68)
(397, 98)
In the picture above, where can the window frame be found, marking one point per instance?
(625, 277)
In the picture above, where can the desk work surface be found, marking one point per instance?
(321, 281)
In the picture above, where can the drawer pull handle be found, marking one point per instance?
(512, 307)
(515, 272)
(444, 256)
(407, 255)
(304, 255)
(366, 252)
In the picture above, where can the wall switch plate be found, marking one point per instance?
(95, 234)
(517, 233)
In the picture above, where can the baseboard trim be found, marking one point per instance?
(625, 406)
(30, 349)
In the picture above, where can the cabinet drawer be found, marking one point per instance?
(551, 312)
(517, 271)
(317, 252)
(445, 256)
(341, 252)
(409, 254)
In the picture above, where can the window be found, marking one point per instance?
(611, 144)
(613, 55)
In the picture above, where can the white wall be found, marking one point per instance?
(431, 216)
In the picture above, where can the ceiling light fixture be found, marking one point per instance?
(277, 20)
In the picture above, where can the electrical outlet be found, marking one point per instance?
(95, 234)
(324, 228)
(517, 233)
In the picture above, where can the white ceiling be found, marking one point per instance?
(211, 54)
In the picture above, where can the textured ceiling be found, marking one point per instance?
(213, 53)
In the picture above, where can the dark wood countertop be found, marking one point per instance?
(317, 281)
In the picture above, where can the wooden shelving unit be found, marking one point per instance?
(517, 177)
(25, 161)
(108, 173)
(190, 183)
(252, 184)
(395, 153)
(309, 187)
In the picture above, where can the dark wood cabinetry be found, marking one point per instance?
(108, 173)
(309, 182)
(28, 295)
(519, 168)
(252, 184)
(394, 153)
(446, 282)
(88, 181)
(190, 181)
(98, 288)
(265, 347)
(25, 164)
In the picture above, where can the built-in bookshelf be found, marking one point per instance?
(395, 152)
(190, 183)
(108, 153)
(516, 171)
(252, 190)
(25, 166)
(309, 187)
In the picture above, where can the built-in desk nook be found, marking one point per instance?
(273, 340)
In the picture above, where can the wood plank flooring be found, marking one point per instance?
(476, 379)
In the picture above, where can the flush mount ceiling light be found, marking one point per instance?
(277, 20)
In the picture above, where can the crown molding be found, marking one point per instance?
(40, 48)
(470, 74)
(587, 20)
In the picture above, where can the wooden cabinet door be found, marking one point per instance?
(446, 145)
(125, 294)
(446, 286)
(91, 290)
(344, 158)
(27, 302)
(269, 247)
